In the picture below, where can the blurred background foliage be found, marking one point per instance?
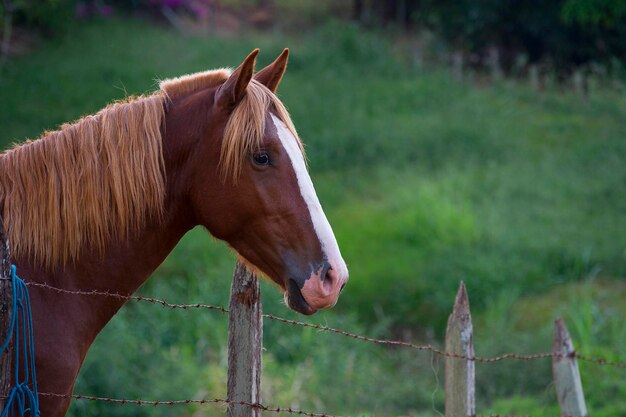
(560, 35)
(430, 172)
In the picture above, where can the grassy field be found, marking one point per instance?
(426, 180)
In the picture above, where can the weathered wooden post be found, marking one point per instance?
(578, 81)
(460, 386)
(533, 75)
(245, 341)
(569, 388)
(6, 302)
(495, 66)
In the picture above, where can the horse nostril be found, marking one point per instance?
(328, 279)
(326, 274)
(342, 287)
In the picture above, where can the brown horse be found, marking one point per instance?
(99, 204)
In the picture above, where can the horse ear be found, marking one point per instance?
(271, 75)
(234, 89)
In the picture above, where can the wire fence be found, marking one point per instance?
(259, 406)
(427, 347)
(289, 410)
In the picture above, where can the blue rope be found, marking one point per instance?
(22, 400)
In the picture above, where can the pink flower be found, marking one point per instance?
(105, 10)
(200, 10)
(172, 3)
(82, 10)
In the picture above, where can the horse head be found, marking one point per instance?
(259, 197)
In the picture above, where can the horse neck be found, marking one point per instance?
(123, 267)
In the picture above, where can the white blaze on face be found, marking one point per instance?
(318, 218)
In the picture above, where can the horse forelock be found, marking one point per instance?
(245, 128)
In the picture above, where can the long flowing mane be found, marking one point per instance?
(101, 178)
(89, 182)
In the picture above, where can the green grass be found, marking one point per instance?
(427, 181)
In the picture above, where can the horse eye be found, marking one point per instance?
(261, 158)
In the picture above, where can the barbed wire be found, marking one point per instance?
(428, 347)
(128, 297)
(409, 345)
(431, 348)
(181, 402)
(278, 410)
(259, 406)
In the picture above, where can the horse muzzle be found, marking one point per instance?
(321, 290)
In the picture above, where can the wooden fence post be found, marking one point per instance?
(533, 76)
(6, 301)
(459, 373)
(569, 388)
(494, 63)
(245, 341)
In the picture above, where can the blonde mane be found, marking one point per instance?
(95, 180)
(100, 179)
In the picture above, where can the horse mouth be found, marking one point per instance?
(295, 300)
